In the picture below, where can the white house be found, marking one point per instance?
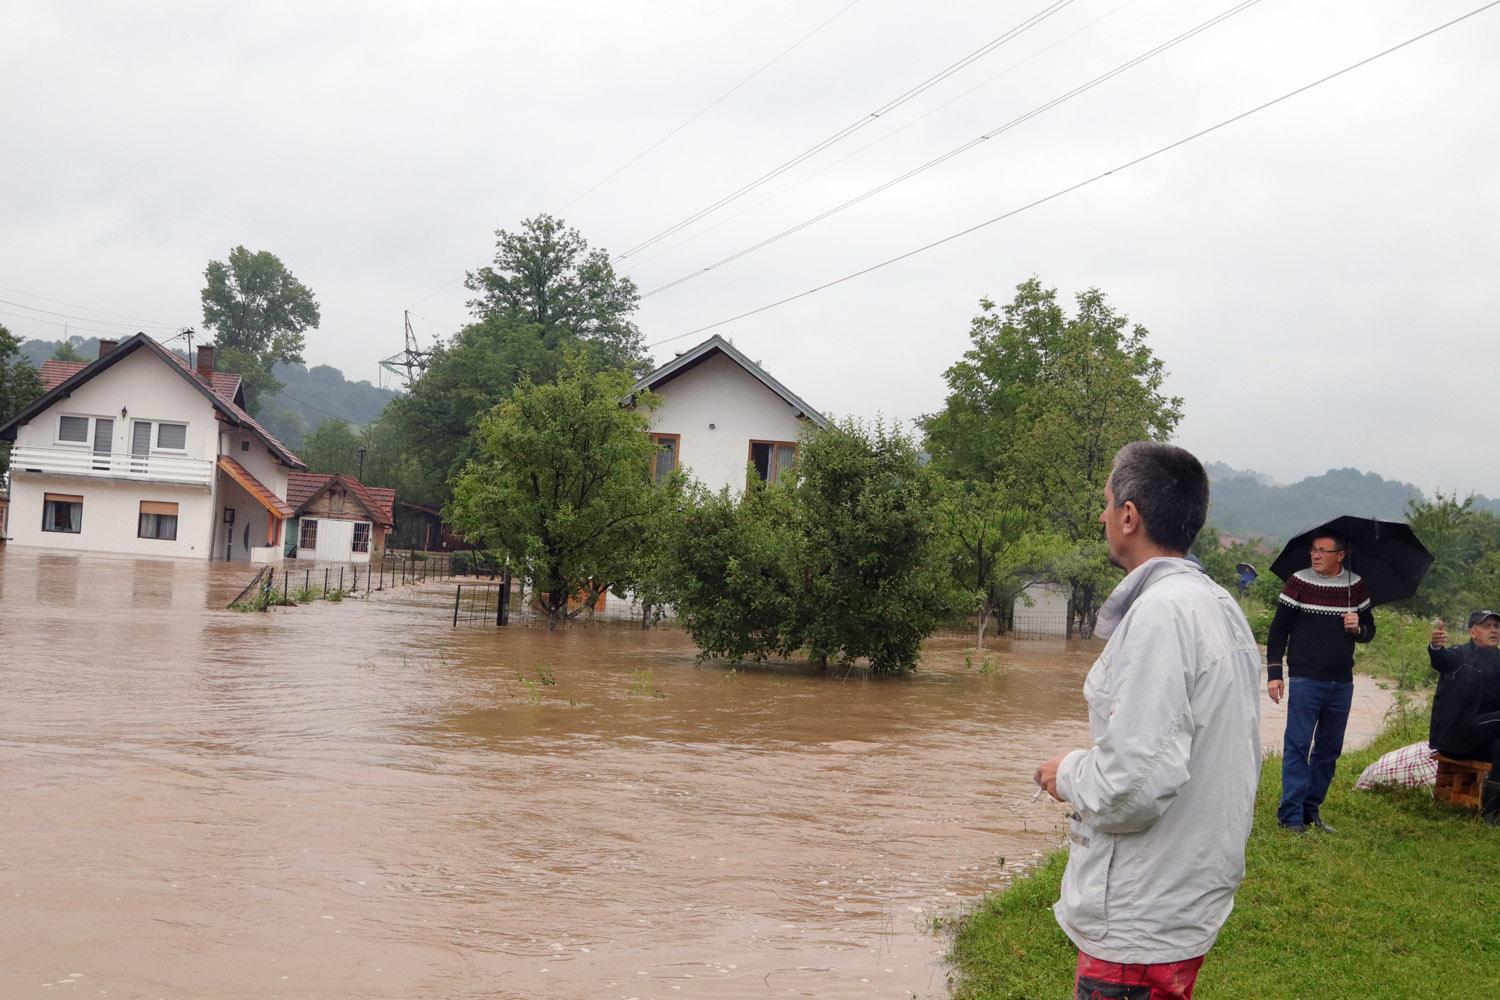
(721, 412)
(140, 453)
(339, 518)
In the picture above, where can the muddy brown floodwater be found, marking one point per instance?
(356, 800)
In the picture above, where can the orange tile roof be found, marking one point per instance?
(257, 489)
(302, 487)
(54, 372)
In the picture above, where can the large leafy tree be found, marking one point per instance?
(426, 437)
(548, 276)
(996, 546)
(561, 484)
(260, 314)
(1040, 404)
(333, 446)
(841, 558)
(19, 385)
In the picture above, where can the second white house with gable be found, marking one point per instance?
(723, 417)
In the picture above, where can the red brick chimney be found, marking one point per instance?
(105, 346)
(206, 360)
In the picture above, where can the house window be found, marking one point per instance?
(62, 512)
(307, 536)
(168, 437)
(158, 520)
(668, 452)
(73, 430)
(171, 437)
(361, 536)
(772, 458)
(245, 446)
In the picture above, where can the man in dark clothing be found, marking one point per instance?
(1466, 707)
(1321, 613)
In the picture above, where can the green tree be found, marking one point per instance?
(333, 446)
(546, 275)
(66, 351)
(996, 548)
(840, 558)
(259, 313)
(1040, 404)
(1462, 540)
(19, 385)
(561, 484)
(873, 572)
(731, 573)
(425, 438)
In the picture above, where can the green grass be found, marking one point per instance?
(1402, 902)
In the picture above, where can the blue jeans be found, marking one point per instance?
(1316, 714)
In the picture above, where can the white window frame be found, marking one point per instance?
(369, 527)
(302, 524)
(154, 446)
(87, 443)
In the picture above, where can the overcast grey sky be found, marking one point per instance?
(1320, 278)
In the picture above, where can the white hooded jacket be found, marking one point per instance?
(1165, 797)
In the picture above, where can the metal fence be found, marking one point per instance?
(482, 603)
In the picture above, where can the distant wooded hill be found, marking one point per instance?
(1247, 504)
(309, 395)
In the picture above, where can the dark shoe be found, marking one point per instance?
(1489, 803)
(1320, 826)
(1293, 827)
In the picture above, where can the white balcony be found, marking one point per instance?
(156, 468)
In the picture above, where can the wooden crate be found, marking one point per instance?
(1460, 782)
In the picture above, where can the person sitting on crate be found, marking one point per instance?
(1466, 707)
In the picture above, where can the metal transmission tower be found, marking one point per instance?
(410, 363)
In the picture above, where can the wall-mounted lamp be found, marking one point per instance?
(124, 413)
(711, 426)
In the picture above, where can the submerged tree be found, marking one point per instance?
(259, 313)
(840, 557)
(561, 483)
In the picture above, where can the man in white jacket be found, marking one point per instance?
(1163, 799)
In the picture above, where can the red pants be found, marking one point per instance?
(1098, 980)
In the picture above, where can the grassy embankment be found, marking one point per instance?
(1402, 902)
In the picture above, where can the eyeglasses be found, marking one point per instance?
(1326, 552)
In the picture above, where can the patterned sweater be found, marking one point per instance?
(1310, 617)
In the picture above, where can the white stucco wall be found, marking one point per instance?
(111, 516)
(146, 388)
(719, 408)
(142, 385)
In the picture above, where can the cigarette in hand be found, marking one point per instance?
(1039, 791)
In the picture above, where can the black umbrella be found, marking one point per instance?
(1387, 554)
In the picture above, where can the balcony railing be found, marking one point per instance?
(113, 465)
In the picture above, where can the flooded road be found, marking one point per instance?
(355, 800)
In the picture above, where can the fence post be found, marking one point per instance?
(286, 583)
(341, 578)
(382, 571)
(456, 595)
(307, 581)
(326, 571)
(502, 606)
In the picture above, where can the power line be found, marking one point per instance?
(88, 319)
(889, 135)
(1084, 183)
(75, 305)
(965, 147)
(60, 325)
(706, 108)
(856, 125)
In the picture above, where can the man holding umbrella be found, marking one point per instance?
(1322, 612)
